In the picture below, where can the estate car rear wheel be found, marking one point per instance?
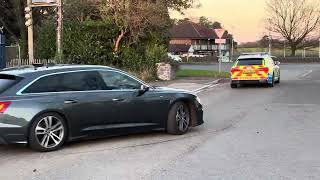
(179, 119)
(48, 132)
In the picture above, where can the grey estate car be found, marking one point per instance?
(45, 107)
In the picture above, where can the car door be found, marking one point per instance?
(135, 109)
(275, 67)
(95, 107)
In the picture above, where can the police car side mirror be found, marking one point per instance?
(278, 63)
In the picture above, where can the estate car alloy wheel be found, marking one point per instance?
(48, 132)
(179, 119)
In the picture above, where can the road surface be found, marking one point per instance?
(250, 133)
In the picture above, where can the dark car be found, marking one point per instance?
(47, 106)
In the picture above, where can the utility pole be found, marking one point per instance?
(284, 48)
(319, 47)
(59, 30)
(232, 49)
(29, 24)
(270, 46)
(220, 56)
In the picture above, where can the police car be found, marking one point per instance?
(255, 68)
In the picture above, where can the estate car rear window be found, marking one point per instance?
(251, 61)
(73, 81)
(7, 81)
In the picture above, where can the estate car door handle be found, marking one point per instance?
(117, 100)
(70, 102)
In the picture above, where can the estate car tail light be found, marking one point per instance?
(4, 106)
(264, 69)
(235, 69)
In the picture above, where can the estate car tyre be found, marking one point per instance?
(48, 132)
(179, 119)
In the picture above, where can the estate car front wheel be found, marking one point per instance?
(48, 132)
(179, 119)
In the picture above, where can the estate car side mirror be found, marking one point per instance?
(143, 89)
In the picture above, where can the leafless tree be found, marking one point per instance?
(294, 20)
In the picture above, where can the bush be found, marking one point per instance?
(91, 42)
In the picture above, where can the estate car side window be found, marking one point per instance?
(73, 81)
(117, 81)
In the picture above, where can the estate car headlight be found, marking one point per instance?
(198, 99)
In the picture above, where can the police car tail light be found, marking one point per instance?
(235, 69)
(4, 106)
(264, 69)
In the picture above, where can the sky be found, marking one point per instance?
(243, 18)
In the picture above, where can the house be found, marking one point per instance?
(186, 36)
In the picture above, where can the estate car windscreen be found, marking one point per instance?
(250, 62)
(7, 81)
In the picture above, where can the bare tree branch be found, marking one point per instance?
(294, 20)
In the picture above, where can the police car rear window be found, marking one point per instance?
(250, 61)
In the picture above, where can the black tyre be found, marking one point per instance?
(178, 119)
(233, 86)
(278, 81)
(48, 132)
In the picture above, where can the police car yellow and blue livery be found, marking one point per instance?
(255, 68)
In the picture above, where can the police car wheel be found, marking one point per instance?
(233, 86)
(278, 81)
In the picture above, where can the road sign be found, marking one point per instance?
(220, 41)
(220, 32)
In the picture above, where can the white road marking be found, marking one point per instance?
(197, 91)
(213, 83)
(307, 73)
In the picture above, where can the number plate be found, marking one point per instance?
(249, 72)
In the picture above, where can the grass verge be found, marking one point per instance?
(202, 73)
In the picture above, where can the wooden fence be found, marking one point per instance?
(26, 62)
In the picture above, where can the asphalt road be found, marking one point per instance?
(250, 133)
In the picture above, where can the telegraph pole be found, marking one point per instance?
(29, 24)
(270, 41)
(319, 47)
(284, 48)
(232, 49)
(59, 30)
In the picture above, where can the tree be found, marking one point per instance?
(216, 25)
(134, 18)
(204, 21)
(81, 10)
(12, 19)
(294, 20)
